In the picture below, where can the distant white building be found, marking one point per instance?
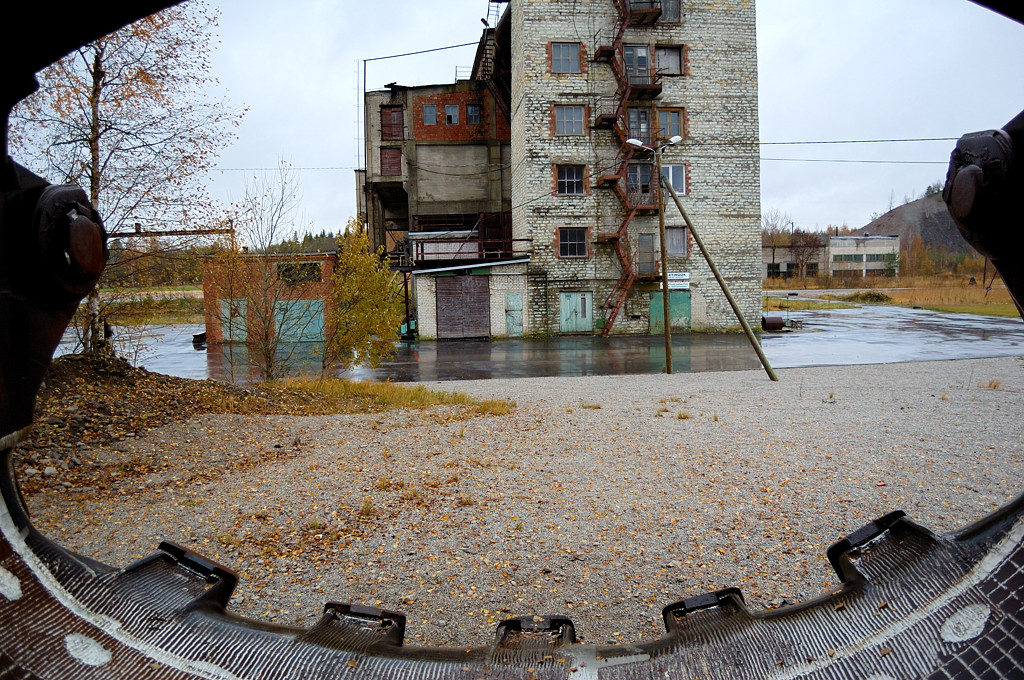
(864, 256)
(838, 256)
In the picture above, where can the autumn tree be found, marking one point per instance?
(129, 118)
(806, 247)
(267, 310)
(365, 308)
(775, 227)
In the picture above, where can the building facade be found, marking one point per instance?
(861, 256)
(839, 256)
(577, 80)
(250, 297)
(588, 202)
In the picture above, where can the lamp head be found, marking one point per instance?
(632, 141)
(675, 139)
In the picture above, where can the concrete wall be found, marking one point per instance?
(720, 153)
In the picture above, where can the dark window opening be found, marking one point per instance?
(572, 242)
(570, 179)
(294, 273)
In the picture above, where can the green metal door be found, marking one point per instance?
(678, 308)
(233, 326)
(576, 312)
(514, 314)
(299, 320)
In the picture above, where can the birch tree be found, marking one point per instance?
(128, 117)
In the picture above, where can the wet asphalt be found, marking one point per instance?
(870, 334)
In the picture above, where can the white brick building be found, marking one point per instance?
(575, 79)
(587, 75)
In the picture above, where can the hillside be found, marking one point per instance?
(926, 217)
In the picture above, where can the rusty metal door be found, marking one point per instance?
(463, 307)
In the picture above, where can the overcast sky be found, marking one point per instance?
(828, 71)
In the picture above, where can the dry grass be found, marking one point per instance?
(955, 296)
(397, 395)
(941, 293)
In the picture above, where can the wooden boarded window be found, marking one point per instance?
(392, 123)
(390, 161)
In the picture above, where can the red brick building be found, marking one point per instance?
(248, 297)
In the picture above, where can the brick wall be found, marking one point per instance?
(463, 131)
(719, 93)
(254, 280)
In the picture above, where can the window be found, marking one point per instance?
(392, 123)
(390, 161)
(812, 268)
(670, 123)
(639, 123)
(638, 64)
(294, 273)
(472, 114)
(669, 10)
(639, 178)
(848, 258)
(565, 57)
(451, 114)
(570, 179)
(572, 242)
(568, 120)
(668, 60)
(675, 241)
(875, 257)
(774, 270)
(676, 176)
(430, 114)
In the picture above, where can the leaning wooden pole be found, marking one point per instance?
(721, 282)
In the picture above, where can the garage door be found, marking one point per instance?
(463, 307)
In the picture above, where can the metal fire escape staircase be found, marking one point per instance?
(631, 13)
(486, 70)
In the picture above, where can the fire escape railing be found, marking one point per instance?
(632, 200)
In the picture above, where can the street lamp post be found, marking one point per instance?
(661, 237)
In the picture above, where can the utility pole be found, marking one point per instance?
(661, 237)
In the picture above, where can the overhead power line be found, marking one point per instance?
(865, 141)
(855, 160)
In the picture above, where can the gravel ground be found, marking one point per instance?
(601, 498)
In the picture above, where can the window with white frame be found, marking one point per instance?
(430, 114)
(568, 120)
(676, 176)
(451, 114)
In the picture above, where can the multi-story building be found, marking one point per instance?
(583, 77)
(861, 256)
